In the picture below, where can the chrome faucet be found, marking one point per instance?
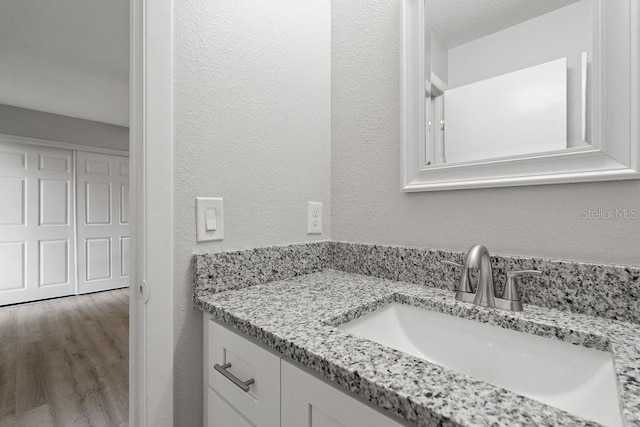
(478, 258)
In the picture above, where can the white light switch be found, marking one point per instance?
(209, 219)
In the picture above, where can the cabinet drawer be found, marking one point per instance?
(241, 360)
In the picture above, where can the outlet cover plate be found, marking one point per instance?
(314, 218)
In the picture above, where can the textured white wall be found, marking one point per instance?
(564, 32)
(252, 125)
(439, 58)
(367, 205)
(460, 21)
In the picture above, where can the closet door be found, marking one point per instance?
(103, 221)
(36, 223)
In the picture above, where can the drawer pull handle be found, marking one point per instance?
(244, 385)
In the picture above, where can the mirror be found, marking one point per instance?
(507, 78)
(518, 92)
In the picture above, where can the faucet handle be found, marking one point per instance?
(465, 284)
(510, 288)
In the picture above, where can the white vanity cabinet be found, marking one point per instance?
(227, 403)
(281, 394)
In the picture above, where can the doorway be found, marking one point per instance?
(64, 231)
(64, 213)
(151, 340)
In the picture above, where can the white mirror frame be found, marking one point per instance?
(615, 154)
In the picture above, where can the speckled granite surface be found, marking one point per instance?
(599, 290)
(298, 318)
(603, 290)
(221, 271)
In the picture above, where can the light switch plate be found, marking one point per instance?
(202, 204)
(314, 218)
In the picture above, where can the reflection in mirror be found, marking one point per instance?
(508, 78)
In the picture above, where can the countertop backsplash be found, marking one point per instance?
(222, 271)
(608, 291)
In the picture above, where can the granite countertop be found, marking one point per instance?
(298, 318)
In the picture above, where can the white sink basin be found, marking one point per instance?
(576, 379)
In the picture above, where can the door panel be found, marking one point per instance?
(98, 209)
(124, 257)
(103, 221)
(54, 262)
(36, 225)
(124, 203)
(12, 158)
(98, 252)
(12, 265)
(12, 194)
(54, 163)
(96, 166)
(54, 202)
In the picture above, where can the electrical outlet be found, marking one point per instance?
(314, 218)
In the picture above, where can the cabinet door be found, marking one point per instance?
(36, 223)
(103, 221)
(309, 401)
(222, 413)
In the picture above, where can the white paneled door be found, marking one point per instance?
(103, 221)
(36, 223)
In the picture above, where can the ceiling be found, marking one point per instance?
(71, 57)
(461, 21)
(68, 57)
